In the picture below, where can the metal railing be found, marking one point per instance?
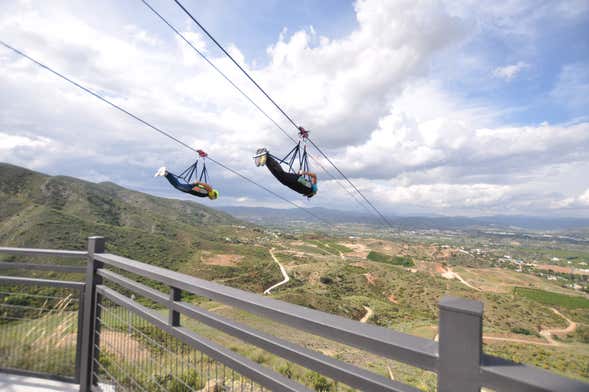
(40, 332)
(145, 343)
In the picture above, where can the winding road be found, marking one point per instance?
(545, 333)
(449, 274)
(516, 340)
(282, 270)
(368, 315)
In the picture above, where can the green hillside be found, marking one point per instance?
(61, 212)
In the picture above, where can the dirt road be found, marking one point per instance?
(516, 340)
(547, 333)
(282, 270)
(368, 315)
(449, 274)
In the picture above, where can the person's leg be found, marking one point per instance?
(285, 178)
(173, 180)
(274, 166)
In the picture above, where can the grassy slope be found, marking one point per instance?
(29, 198)
(61, 212)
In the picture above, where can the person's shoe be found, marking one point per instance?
(162, 171)
(260, 157)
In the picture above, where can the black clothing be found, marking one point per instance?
(288, 179)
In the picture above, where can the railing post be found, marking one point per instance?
(80, 334)
(460, 344)
(91, 312)
(174, 316)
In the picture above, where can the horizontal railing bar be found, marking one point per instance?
(43, 267)
(337, 370)
(242, 365)
(138, 288)
(504, 375)
(399, 346)
(41, 282)
(43, 252)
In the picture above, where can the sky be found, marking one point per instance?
(437, 107)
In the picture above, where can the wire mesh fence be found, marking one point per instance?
(134, 355)
(39, 332)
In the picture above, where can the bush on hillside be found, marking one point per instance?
(521, 331)
(378, 257)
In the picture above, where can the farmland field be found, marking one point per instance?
(555, 299)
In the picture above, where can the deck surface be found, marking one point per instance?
(13, 383)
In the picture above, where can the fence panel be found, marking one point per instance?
(39, 331)
(136, 355)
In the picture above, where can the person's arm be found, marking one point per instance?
(204, 185)
(312, 175)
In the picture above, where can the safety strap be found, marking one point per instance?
(204, 173)
(296, 155)
(192, 172)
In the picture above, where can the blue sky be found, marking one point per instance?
(547, 45)
(431, 106)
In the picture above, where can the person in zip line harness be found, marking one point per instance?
(199, 189)
(297, 182)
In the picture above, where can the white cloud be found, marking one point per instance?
(441, 196)
(584, 198)
(10, 142)
(581, 201)
(509, 72)
(367, 97)
(342, 86)
(427, 128)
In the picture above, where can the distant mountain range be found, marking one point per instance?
(275, 216)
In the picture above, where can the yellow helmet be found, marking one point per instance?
(214, 194)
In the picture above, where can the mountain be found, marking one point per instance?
(286, 217)
(276, 216)
(38, 210)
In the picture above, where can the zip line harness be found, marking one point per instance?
(192, 172)
(298, 155)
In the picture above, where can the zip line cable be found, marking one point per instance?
(354, 186)
(281, 110)
(144, 122)
(235, 62)
(205, 58)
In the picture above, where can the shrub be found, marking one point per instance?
(582, 333)
(521, 331)
(378, 257)
(403, 260)
(286, 370)
(318, 382)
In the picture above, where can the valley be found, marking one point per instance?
(534, 285)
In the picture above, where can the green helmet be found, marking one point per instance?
(214, 194)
